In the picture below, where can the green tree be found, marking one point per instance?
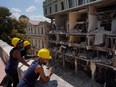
(9, 27)
(5, 23)
(4, 15)
(20, 26)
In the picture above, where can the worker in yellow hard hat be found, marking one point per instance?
(14, 59)
(36, 70)
(24, 51)
(16, 41)
(26, 43)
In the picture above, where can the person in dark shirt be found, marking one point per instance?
(14, 59)
(36, 70)
(24, 51)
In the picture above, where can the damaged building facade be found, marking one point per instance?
(83, 35)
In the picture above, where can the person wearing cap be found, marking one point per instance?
(36, 70)
(14, 59)
(24, 51)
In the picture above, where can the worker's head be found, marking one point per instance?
(16, 42)
(27, 44)
(44, 55)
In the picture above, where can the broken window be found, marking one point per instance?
(45, 11)
(50, 9)
(56, 8)
(80, 2)
(70, 3)
(62, 5)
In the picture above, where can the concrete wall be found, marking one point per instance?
(72, 22)
(4, 51)
(93, 20)
(75, 4)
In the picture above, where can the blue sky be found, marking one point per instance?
(31, 8)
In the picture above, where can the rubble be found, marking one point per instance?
(88, 37)
(76, 80)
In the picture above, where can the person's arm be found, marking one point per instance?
(17, 55)
(42, 74)
(30, 56)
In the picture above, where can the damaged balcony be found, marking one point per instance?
(103, 37)
(79, 32)
(81, 24)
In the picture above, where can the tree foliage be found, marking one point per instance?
(10, 27)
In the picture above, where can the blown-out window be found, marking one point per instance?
(62, 5)
(70, 3)
(56, 8)
(45, 11)
(50, 10)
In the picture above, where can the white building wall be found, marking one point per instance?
(37, 35)
(75, 3)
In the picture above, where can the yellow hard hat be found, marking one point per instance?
(26, 43)
(44, 53)
(15, 41)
